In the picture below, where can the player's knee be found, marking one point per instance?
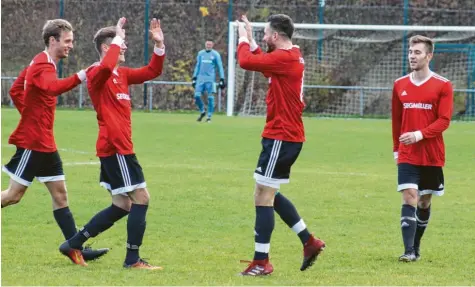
(141, 196)
(15, 198)
(264, 195)
(197, 96)
(410, 196)
(15, 194)
(59, 195)
(122, 202)
(425, 201)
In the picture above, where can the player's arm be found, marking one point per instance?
(155, 66)
(98, 75)
(17, 91)
(396, 120)
(43, 76)
(264, 62)
(444, 113)
(196, 71)
(219, 63)
(149, 72)
(255, 49)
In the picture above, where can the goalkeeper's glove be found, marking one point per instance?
(193, 82)
(222, 85)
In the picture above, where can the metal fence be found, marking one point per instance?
(186, 24)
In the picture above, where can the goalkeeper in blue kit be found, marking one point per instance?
(204, 78)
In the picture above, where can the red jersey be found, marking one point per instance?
(285, 70)
(425, 107)
(17, 91)
(41, 87)
(109, 91)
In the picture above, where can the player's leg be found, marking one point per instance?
(13, 194)
(52, 175)
(432, 183)
(127, 179)
(288, 213)
(105, 218)
(422, 217)
(21, 168)
(408, 182)
(264, 193)
(198, 101)
(211, 88)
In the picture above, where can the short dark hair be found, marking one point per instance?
(209, 40)
(282, 24)
(103, 36)
(428, 42)
(53, 28)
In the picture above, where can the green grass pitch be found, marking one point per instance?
(200, 222)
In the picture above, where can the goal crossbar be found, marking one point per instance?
(232, 43)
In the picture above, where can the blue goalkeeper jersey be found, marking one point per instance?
(206, 63)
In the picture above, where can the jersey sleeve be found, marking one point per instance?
(263, 62)
(444, 113)
(43, 76)
(17, 91)
(149, 72)
(396, 118)
(197, 66)
(98, 74)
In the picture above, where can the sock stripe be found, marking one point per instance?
(262, 247)
(132, 246)
(421, 221)
(299, 226)
(408, 218)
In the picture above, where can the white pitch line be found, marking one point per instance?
(81, 163)
(60, 149)
(220, 168)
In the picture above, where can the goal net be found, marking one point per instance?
(350, 69)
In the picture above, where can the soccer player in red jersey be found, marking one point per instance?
(282, 138)
(35, 93)
(121, 174)
(422, 105)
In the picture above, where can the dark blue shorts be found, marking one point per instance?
(275, 161)
(27, 164)
(121, 174)
(426, 179)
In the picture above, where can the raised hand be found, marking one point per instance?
(241, 29)
(248, 27)
(119, 31)
(156, 32)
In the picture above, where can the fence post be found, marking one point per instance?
(321, 10)
(11, 100)
(150, 97)
(361, 102)
(80, 95)
(145, 50)
(219, 100)
(404, 37)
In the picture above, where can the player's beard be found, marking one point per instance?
(270, 47)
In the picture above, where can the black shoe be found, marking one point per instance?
(208, 120)
(90, 254)
(202, 115)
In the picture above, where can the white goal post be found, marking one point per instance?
(349, 69)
